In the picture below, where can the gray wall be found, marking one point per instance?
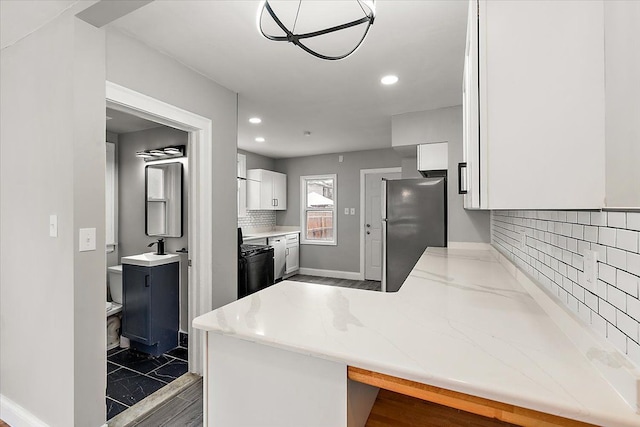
(137, 67)
(258, 161)
(132, 238)
(346, 255)
(52, 161)
(444, 124)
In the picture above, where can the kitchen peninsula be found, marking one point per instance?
(288, 355)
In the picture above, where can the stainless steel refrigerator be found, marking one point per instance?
(414, 217)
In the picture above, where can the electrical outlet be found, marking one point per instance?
(590, 270)
(353, 211)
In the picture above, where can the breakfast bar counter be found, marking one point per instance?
(460, 322)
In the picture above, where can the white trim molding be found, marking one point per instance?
(15, 415)
(363, 175)
(200, 155)
(336, 274)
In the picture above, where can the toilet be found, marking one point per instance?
(114, 278)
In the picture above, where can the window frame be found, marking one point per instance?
(304, 210)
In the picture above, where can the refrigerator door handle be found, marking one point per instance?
(383, 210)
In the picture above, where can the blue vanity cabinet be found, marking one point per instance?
(150, 309)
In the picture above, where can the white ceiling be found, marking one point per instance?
(341, 103)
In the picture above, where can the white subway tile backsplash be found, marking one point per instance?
(258, 219)
(591, 234)
(633, 351)
(577, 231)
(633, 220)
(617, 338)
(584, 218)
(607, 273)
(633, 307)
(617, 219)
(607, 311)
(556, 244)
(617, 258)
(628, 283)
(599, 218)
(617, 298)
(607, 236)
(627, 325)
(627, 240)
(633, 263)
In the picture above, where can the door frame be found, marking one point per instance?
(363, 176)
(199, 155)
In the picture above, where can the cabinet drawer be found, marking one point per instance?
(292, 238)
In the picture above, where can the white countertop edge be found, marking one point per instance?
(494, 393)
(624, 377)
(279, 231)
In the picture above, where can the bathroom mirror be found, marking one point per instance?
(163, 198)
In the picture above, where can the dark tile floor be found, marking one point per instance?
(132, 376)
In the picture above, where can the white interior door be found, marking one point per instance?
(373, 223)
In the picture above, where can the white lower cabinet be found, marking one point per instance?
(279, 245)
(292, 264)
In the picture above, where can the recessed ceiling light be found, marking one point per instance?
(255, 120)
(389, 80)
(259, 139)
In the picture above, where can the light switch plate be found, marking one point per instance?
(346, 211)
(353, 211)
(87, 239)
(590, 270)
(53, 225)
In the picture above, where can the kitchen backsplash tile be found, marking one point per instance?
(550, 247)
(258, 219)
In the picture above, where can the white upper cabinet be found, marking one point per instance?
(533, 105)
(266, 190)
(433, 156)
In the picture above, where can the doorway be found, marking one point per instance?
(371, 220)
(198, 189)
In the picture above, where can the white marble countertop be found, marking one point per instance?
(265, 234)
(460, 321)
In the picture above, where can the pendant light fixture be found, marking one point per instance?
(360, 16)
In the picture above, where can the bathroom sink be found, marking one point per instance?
(150, 259)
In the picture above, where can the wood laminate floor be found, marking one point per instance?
(370, 285)
(184, 410)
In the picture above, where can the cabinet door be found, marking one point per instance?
(293, 259)
(254, 189)
(280, 191)
(542, 104)
(470, 174)
(267, 201)
(136, 303)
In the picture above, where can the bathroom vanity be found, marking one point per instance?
(150, 314)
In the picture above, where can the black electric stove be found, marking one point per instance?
(255, 267)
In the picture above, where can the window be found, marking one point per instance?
(318, 195)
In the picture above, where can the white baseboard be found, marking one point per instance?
(16, 416)
(468, 245)
(350, 275)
